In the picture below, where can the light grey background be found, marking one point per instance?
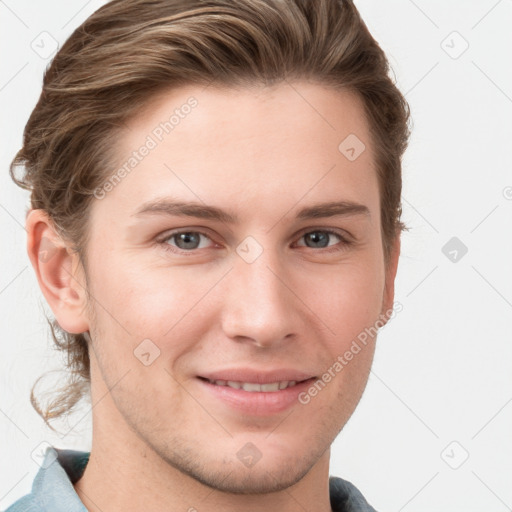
(441, 386)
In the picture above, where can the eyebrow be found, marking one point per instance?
(166, 206)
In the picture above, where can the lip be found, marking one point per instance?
(256, 403)
(257, 376)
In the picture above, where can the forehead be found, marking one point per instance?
(249, 112)
(239, 145)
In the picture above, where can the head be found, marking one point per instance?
(261, 109)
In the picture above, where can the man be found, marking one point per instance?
(227, 229)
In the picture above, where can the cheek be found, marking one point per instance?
(346, 299)
(349, 308)
(136, 293)
(137, 303)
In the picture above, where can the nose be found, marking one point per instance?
(259, 304)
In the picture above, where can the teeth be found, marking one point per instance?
(231, 384)
(252, 387)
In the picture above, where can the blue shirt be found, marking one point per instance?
(53, 491)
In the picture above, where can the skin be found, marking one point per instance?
(262, 153)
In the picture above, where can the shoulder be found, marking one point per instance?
(25, 504)
(52, 488)
(346, 497)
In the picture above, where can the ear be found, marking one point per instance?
(390, 271)
(59, 272)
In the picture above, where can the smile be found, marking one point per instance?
(252, 386)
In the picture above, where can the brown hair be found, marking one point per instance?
(130, 50)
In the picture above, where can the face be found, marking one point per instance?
(251, 283)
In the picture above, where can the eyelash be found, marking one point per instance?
(345, 243)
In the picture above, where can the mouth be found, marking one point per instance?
(254, 387)
(253, 398)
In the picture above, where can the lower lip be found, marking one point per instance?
(257, 403)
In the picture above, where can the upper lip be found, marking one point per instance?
(257, 376)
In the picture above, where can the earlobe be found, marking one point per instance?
(389, 287)
(57, 270)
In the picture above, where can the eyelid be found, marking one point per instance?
(344, 235)
(168, 235)
(346, 239)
